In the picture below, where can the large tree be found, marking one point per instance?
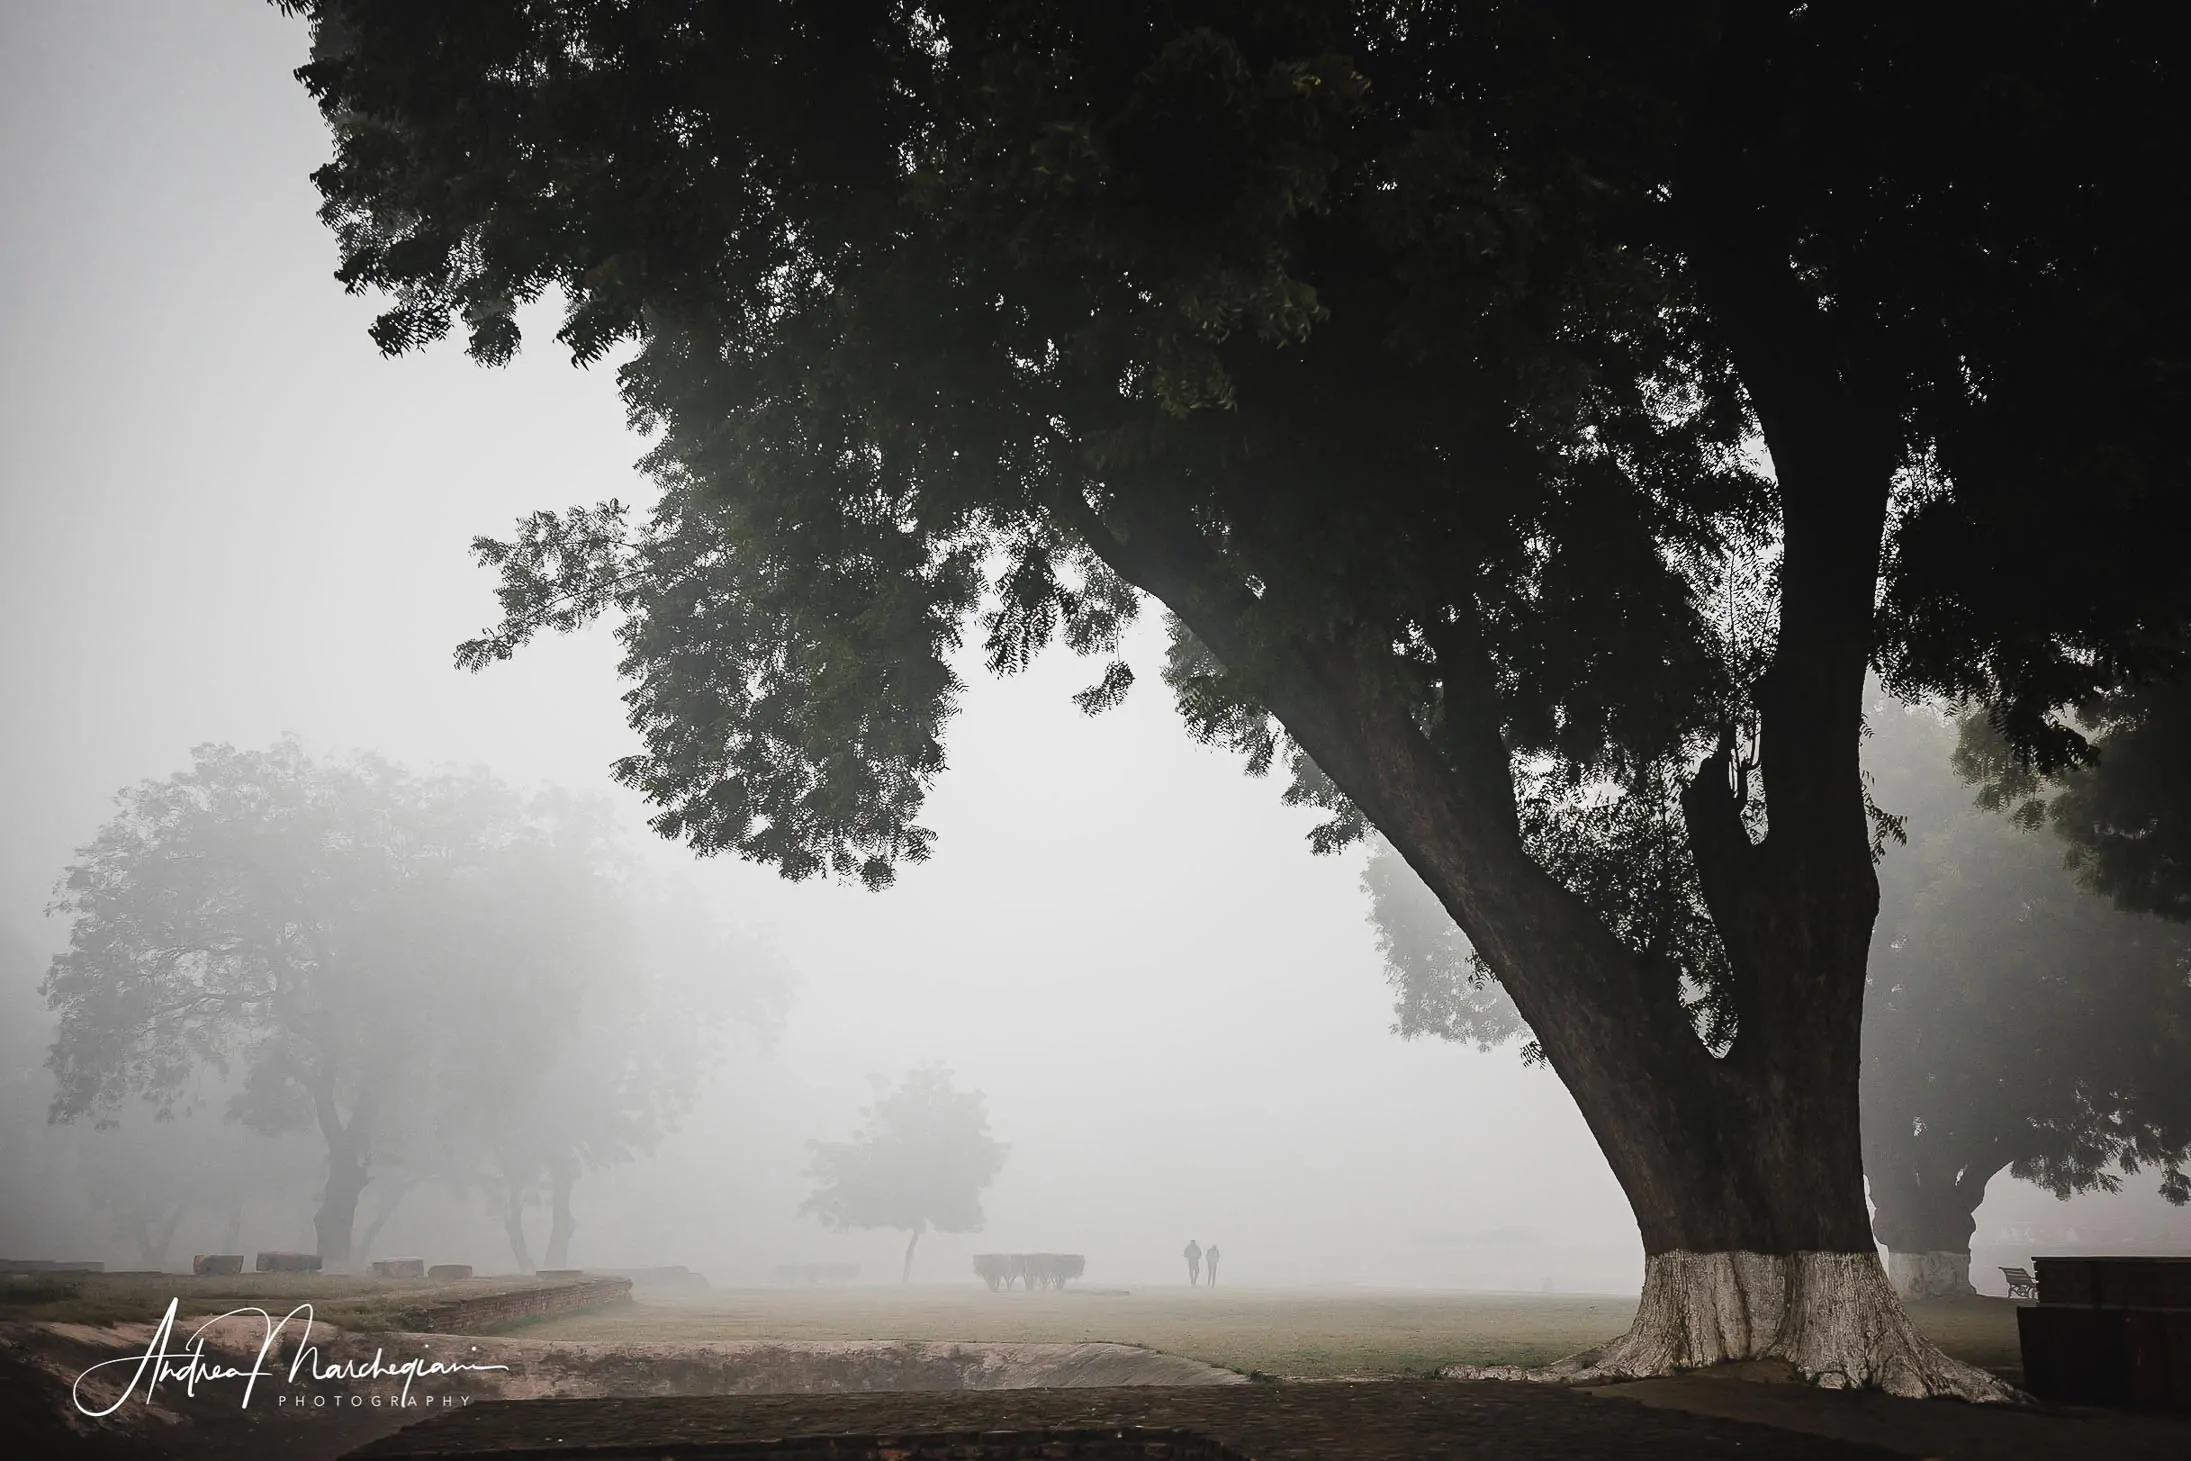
(287, 923)
(920, 1161)
(1410, 356)
(2014, 1022)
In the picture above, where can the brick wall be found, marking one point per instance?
(468, 1316)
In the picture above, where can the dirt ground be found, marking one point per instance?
(931, 1344)
(1386, 1420)
(1332, 1333)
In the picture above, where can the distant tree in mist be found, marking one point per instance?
(2018, 1019)
(400, 963)
(617, 994)
(920, 1162)
(1415, 359)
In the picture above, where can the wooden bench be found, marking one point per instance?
(2020, 1285)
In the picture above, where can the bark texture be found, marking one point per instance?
(1937, 1273)
(1832, 1317)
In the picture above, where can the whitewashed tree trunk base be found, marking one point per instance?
(1832, 1317)
(1938, 1274)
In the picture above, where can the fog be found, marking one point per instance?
(228, 519)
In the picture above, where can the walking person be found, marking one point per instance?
(1210, 1257)
(1194, 1263)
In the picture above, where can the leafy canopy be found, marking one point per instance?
(2014, 1018)
(1375, 340)
(2125, 819)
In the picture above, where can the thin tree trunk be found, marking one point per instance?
(561, 1224)
(232, 1226)
(906, 1274)
(513, 1225)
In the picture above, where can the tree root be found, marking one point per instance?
(1831, 1317)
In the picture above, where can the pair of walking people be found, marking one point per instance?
(1196, 1256)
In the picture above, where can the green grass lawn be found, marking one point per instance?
(1292, 1332)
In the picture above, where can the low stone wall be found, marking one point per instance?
(469, 1316)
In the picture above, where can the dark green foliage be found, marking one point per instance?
(2125, 819)
(2014, 1020)
(871, 383)
(920, 290)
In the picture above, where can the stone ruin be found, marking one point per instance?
(399, 1268)
(287, 1263)
(1029, 1270)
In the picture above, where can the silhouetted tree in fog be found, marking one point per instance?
(920, 1162)
(400, 963)
(2016, 1021)
(616, 990)
(1411, 358)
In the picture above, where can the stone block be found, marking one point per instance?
(280, 1262)
(451, 1272)
(215, 1265)
(399, 1268)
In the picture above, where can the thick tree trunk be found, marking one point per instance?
(513, 1226)
(1925, 1212)
(155, 1233)
(1744, 1170)
(560, 1222)
(349, 1169)
(905, 1275)
(337, 1216)
(391, 1197)
(1935, 1273)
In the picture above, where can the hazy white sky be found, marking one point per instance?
(226, 517)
